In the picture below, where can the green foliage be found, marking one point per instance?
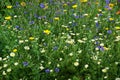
(59, 40)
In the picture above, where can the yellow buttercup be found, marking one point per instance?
(83, 0)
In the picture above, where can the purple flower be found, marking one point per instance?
(25, 12)
(76, 16)
(16, 5)
(47, 70)
(101, 48)
(57, 69)
(118, 0)
(42, 5)
(97, 24)
(109, 31)
(107, 1)
(17, 27)
(100, 14)
(96, 42)
(107, 6)
(25, 63)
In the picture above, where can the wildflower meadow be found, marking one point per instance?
(59, 39)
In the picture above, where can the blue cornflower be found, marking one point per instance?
(96, 42)
(109, 31)
(42, 5)
(97, 24)
(57, 69)
(47, 70)
(25, 63)
(17, 27)
(101, 48)
(107, 1)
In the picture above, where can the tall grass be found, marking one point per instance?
(59, 40)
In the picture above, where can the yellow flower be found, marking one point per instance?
(97, 3)
(31, 38)
(9, 27)
(117, 28)
(83, 0)
(8, 17)
(14, 50)
(106, 28)
(9, 7)
(74, 6)
(105, 48)
(65, 10)
(46, 6)
(47, 31)
(99, 10)
(23, 4)
(56, 18)
(111, 19)
(67, 29)
(111, 5)
(65, 4)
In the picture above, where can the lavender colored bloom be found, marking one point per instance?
(97, 24)
(107, 6)
(109, 31)
(57, 69)
(25, 63)
(17, 27)
(17, 5)
(42, 5)
(100, 14)
(107, 1)
(118, 0)
(25, 12)
(101, 48)
(47, 70)
(76, 16)
(96, 42)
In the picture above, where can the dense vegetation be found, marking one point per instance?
(59, 40)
